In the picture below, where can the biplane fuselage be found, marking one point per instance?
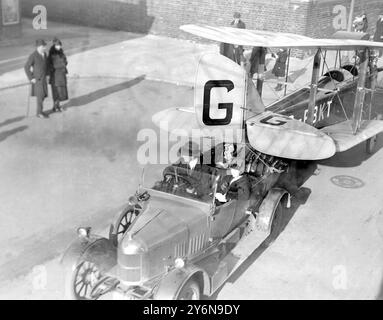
(331, 106)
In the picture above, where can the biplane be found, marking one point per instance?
(175, 240)
(336, 111)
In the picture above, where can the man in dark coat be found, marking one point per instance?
(36, 69)
(238, 50)
(279, 69)
(258, 57)
(237, 22)
(234, 52)
(378, 36)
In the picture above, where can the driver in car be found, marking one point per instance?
(197, 174)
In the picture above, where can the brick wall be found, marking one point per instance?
(308, 17)
(129, 15)
(276, 15)
(320, 15)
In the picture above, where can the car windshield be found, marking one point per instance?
(181, 180)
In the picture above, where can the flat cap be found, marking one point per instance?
(40, 42)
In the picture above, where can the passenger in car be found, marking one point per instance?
(230, 155)
(233, 187)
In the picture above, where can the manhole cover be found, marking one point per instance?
(347, 182)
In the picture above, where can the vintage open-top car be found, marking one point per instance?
(174, 241)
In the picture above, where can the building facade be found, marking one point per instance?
(317, 18)
(10, 19)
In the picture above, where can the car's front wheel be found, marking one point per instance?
(80, 282)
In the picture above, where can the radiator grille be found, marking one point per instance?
(196, 243)
(130, 267)
(180, 250)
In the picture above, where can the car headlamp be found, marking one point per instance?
(83, 232)
(179, 263)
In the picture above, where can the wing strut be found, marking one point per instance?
(314, 87)
(287, 71)
(260, 71)
(360, 91)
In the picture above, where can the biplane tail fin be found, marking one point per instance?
(222, 98)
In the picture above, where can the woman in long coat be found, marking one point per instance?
(58, 71)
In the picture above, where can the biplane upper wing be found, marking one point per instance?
(259, 38)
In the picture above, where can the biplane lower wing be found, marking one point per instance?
(344, 138)
(285, 137)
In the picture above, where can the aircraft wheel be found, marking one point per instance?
(190, 291)
(371, 145)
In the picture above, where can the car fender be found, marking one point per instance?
(172, 283)
(96, 249)
(268, 207)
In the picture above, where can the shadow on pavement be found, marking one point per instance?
(10, 121)
(6, 134)
(99, 94)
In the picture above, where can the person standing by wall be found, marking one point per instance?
(279, 69)
(237, 22)
(36, 69)
(238, 50)
(378, 35)
(257, 57)
(234, 52)
(58, 71)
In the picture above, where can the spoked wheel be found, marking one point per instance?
(371, 144)
(125, 221)
(83, 280)
(190, 291)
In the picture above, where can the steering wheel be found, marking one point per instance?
(178, 182)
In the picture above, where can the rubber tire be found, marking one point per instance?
(371, 145)
(276, 225)
(70, 272)
(190, 285)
